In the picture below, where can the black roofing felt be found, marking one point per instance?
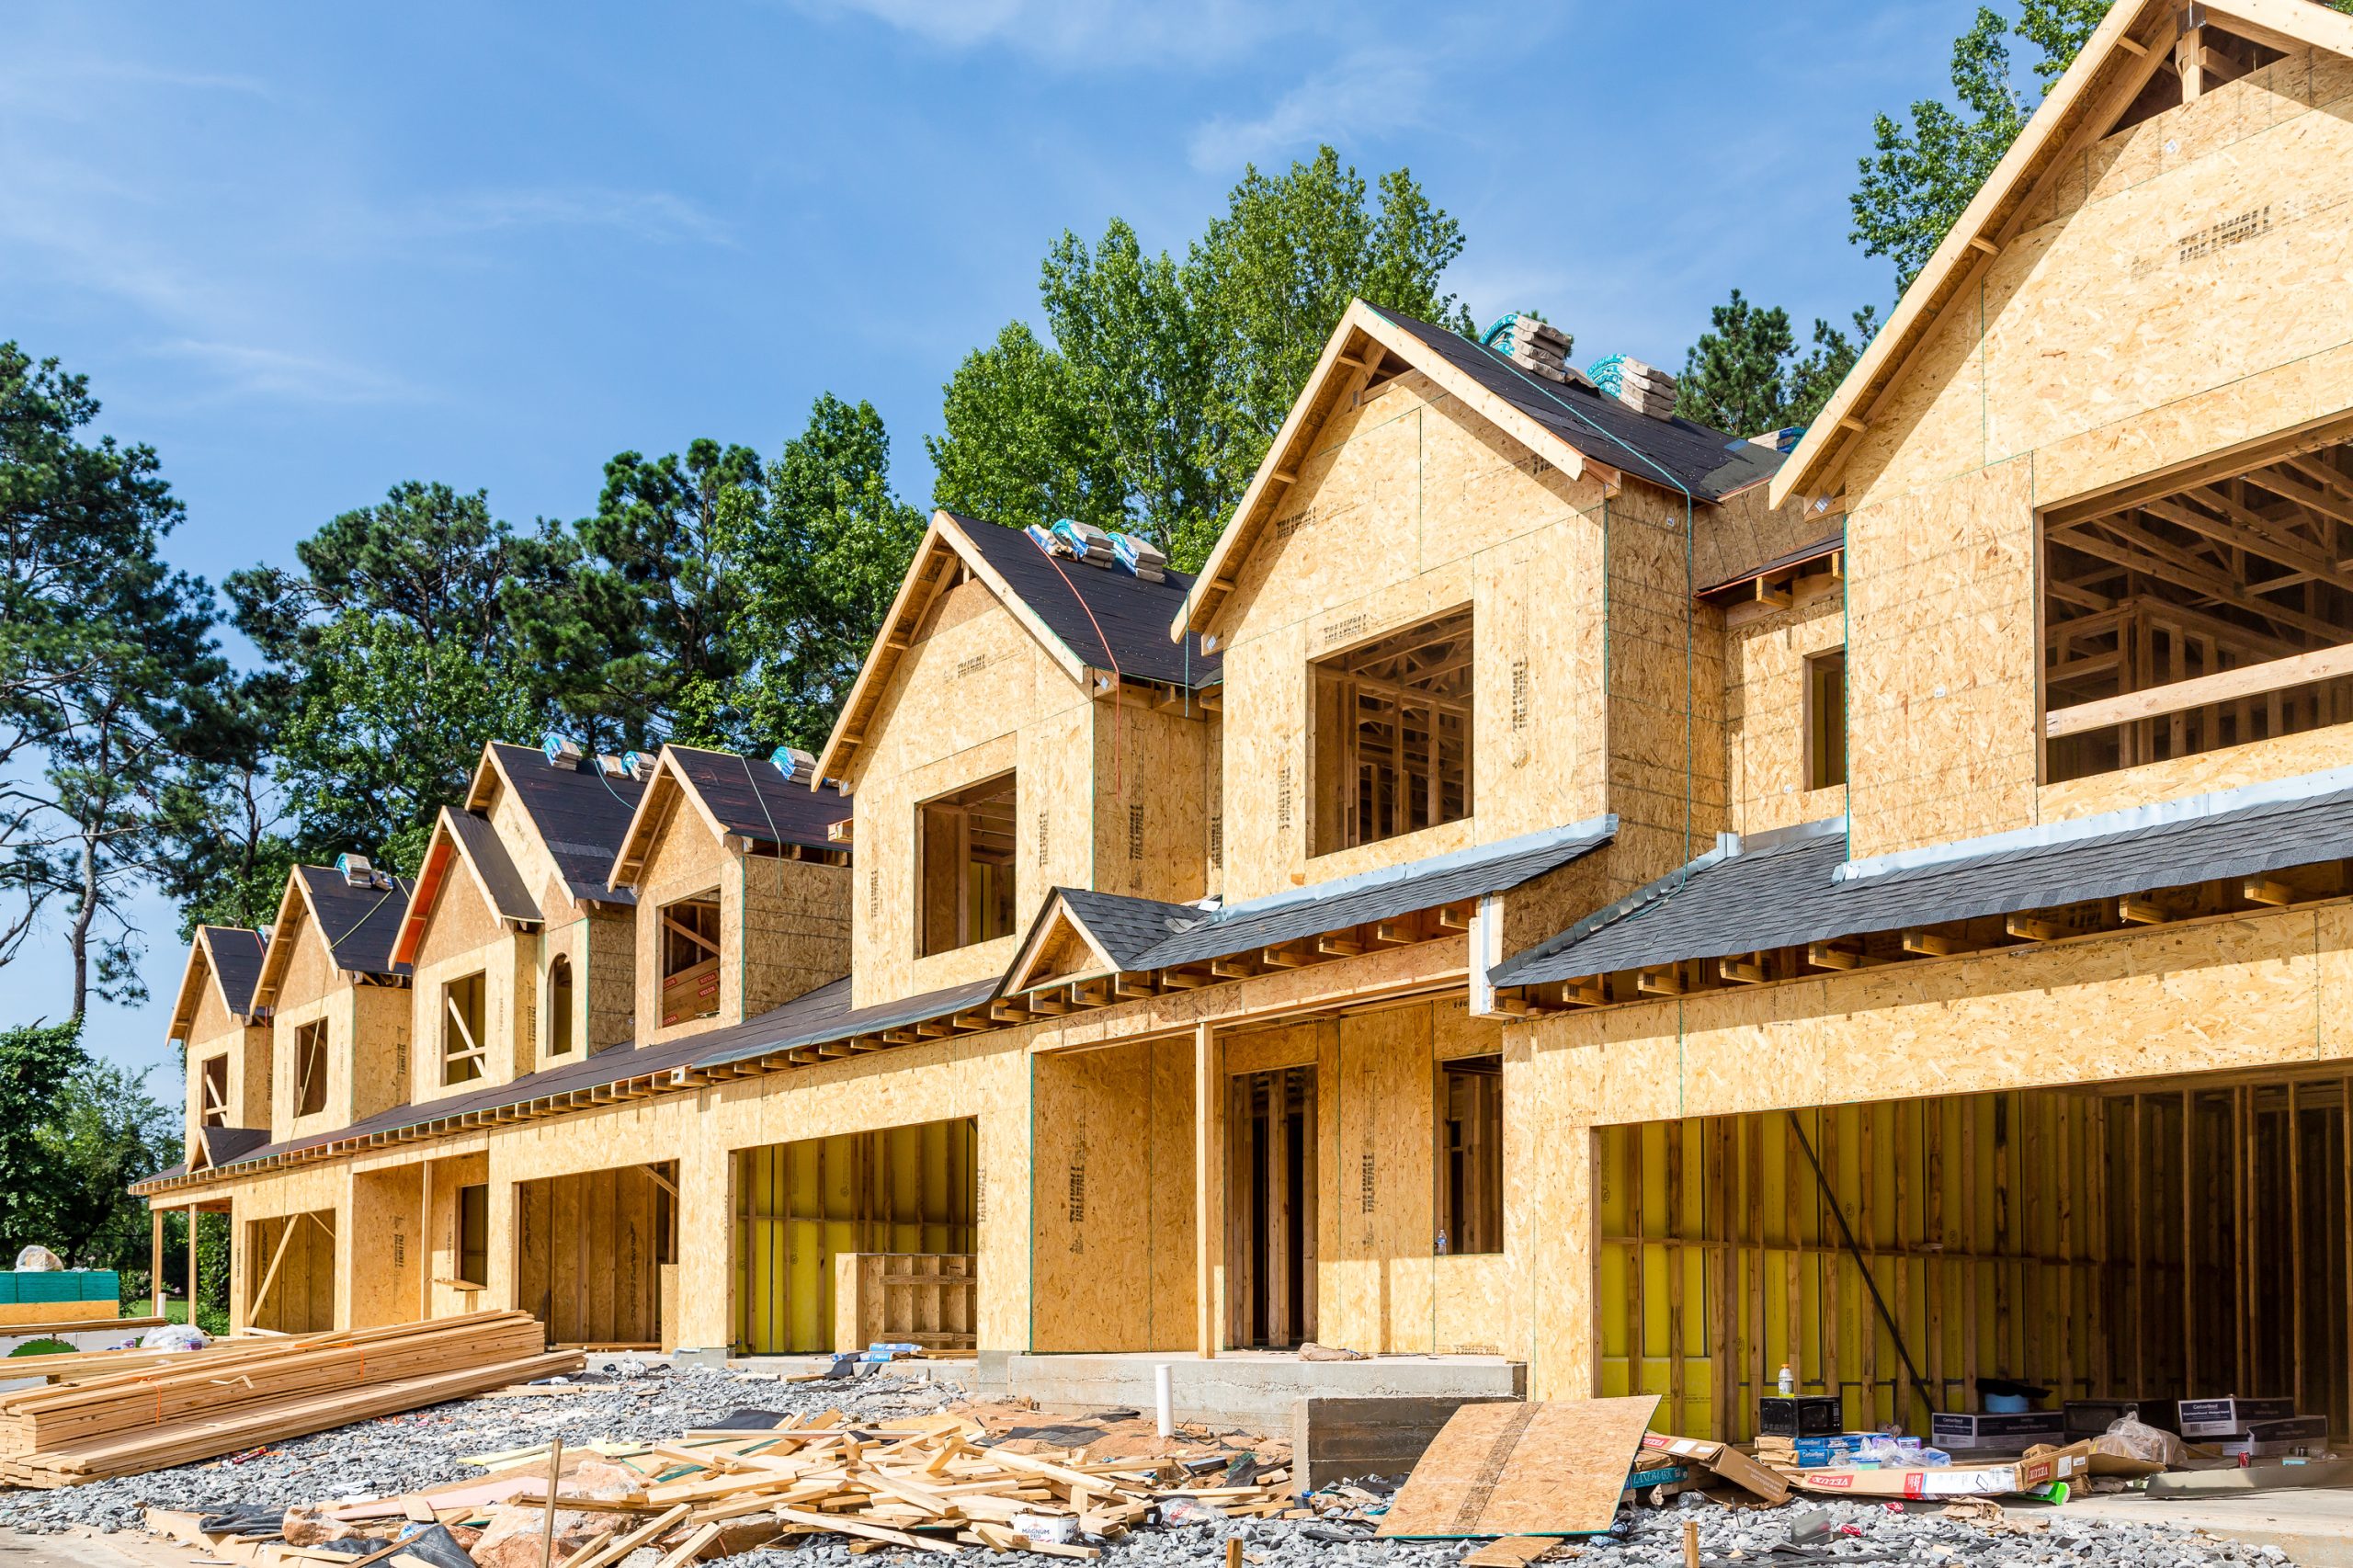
(581, 813)
(750, 798)
(1125, 929)
(222, 1145)
(509, 899)
(1106, 616)
(360, 923)
(825, 1015)
(1709, 463)
(236, 963)
(1786, 893)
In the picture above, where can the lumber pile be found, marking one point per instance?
(925, 1485)
(201, 1405)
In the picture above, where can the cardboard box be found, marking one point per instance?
(2229, 1417)
(1799, 1416)
(1722, 1460)
(1964, 1433)
(1817, 1453)
(1957, 1481)
(2297, 1435)
(2093, 1417)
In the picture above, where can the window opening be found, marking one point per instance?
(311, 1068)
(966, 891)
(1393, 734)
(2199, 612)
(215, 1087)
(464, 1053)
(1825, 720)
(1470, 1155)
(560, 1004)
(689, 936)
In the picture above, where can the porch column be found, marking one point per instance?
(1208, 1188)
(155, 1260)
(192, 1212)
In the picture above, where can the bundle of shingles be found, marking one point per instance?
(1539, 346)
(927, 1484)
(119, 1419)
(1646, 388)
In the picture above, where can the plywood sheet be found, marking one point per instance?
(1554, 1467)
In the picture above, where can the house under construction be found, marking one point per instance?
(1562, 884)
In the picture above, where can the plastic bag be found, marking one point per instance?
(173, 1336)
(1189, 1511)
(2133, 1440)
(38, 1260)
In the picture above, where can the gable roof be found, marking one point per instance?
(467, 838)
(580, 812)
(1116, 930)
(230, 957)
(358, 925)
(2123, 55)
(1087, 617)
(735, 796)
(1572, 426)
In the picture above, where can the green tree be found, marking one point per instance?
(1744, 375)
(643, 641)
(101, 1131)
(399, 657)
(1162, 382)
(37, 1061)
(1922, 173)
(105, 660)
(822, 558)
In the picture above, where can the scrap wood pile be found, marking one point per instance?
(126, 1413)
(927, 1484)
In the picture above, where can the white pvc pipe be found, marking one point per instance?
(1161, 1398)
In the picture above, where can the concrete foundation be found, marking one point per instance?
(1257, 1390)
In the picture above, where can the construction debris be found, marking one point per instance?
(122, 1413)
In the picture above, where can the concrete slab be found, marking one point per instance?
(2314, 1527)
(1251, 1389)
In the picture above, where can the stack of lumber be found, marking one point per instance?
(201, 1405)
(924, 1484)
(1540, 347)
(1646, 388)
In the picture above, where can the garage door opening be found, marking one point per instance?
(597, 1256)
(2185, 1240)
(858, 1237)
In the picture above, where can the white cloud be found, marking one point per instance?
(252, 370)
(1082, 32)
(1369, 94)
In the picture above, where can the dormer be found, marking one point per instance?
(742, 887)
(338, 1002)
(226, 1040)
(1023, 723)
(522, 957)
(1456, 605)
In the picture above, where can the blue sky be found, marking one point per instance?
(309, 252)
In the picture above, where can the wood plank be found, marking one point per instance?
(2248, 680)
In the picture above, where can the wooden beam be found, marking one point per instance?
(1933, 944)
(2264, 890)
(1209, 1315)
(1828, 955)
(2140, 911)
(2031, 929)
(1740, 971)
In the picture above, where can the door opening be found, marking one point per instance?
(1270, 1208)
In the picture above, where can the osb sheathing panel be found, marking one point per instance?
(1410, 506)
(2113, 341)
(1151, 801)
(1213, 805)
(1940, 672)
(533, 863)
(974, 696)
(448, 1173)
(388, 1250)
(2286, 756)
(589, 1250)
(463, 936)
(1666, 681)
(214, 1032)
(1114, 1253)
(367, 1042)
(1764, 714)
(302, 1297)
(686, 860)
(793, 933)
(326, 1191)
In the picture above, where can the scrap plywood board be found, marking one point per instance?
(1555, 1468)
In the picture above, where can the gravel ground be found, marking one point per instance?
(403, 1452)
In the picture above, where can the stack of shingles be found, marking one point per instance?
(1646, 388)
(925, 1484)
(206, 1405)
(1540, 347)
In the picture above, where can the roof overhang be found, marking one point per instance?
(652, 817)
(2120, 58)
(944, 558)
(1356, 346)
(445, 851)
(1058, 930)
